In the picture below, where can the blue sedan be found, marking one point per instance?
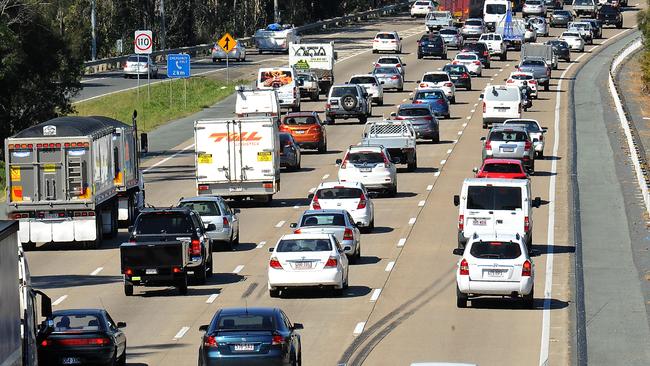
(250, 336)
(435, 98)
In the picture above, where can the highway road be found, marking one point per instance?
(400, 307)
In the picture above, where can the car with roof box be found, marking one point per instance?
(351, 196)
(510, 142)
(337, 222)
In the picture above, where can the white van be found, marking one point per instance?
(283, 81)
(494, 11)
(488, 205)
(500, 102)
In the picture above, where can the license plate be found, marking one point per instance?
(235, 189)
(264, 156)
(205, 158)
(244, 347)
(365, 170)
(300, 132)
(303, 265)
(508, 149)
(70, 361)
(454, 77)
(495, 272)
(151, 271)
(479, 222)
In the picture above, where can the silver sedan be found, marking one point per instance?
(452, 37)
(390, 77)
(238, 53)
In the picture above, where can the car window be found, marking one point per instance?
(434, 94)
(507, 136)
(435, 78)
(414, 112)
(449, 31)
(521, 77)
(437, 15)
(423, 3)
(388, 60)
(77, 323)
(304, 245)
(299, 120)
(533, 2)
(285, 139)
(455, 69)
(333, 219)
(495, 249)
(163, 223)
(501, 168)
(385, 36)
(341, 91)
(137, 59)
(533, 63)
(385, 70)
(205, 208)
(363, 157)
(285, 320)
(530, 125)
(466, 57)
(493, 198)
(495, 9)
(246, 321)
(339, 193)
(110, 321)
(363, 80)
(505, 94)
(474, 22)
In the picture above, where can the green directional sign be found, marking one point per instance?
(302, 64)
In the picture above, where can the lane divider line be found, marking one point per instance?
(280, 224)
(312, 190)
(449, 151)
(442, 162)
(358, 328)
(468, 118)
(59, 300)
(401, 242)
(325, 176)
(375, 295)
(211, 299)
(472, 111)
(296, 206)
(181, 333)
(465, 124)
(412, 221)
(261, 244)
(421, 203)
(436, 174)
(460, 132)
(238, 269)
(96, 272)
(430, 186)
(389, 266)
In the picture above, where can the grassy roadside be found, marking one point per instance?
(166, 103)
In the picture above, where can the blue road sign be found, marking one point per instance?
(178, 66)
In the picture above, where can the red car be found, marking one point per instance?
(501, 168)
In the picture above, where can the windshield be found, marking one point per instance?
(493, 198)
(508, 136)
(207, 208)
(305, 77)
(339, 193)
(414, 112)
(533, 2)
(567, 34)
(299, 120)
(385, 36)
(449, 31)
(386, 70)
(163, 223)
(245, 322)
(495, 250)
(388, 60)
(363, 80)
(431, 39)
(497, 9)
(502, 168)
(562, 12)
(435, 94)
(531, 126)
(435, 78)
(506, 94)
(583, 2)
(323, 220)
(364, 157)
(341, 91)
(304, 245)
(76, 323)
(466, 57)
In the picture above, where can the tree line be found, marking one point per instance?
(644, 26)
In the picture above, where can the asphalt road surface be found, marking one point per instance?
(400, 307)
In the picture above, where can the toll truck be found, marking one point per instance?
(73, 180)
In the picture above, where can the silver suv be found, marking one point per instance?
(510, 142)
(348, 101)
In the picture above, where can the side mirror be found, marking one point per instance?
(481, 96)
(545, 129)
(236, 210)
(456, 200)
(505, 79)
(347, 248)
(482, 138)
(418, 82)
(298, 326)
(403, 64)
(293, 225)
(271, 249)
(347, 82)
(393, 114)
(475, 170)
(121, 324)
(537, 202)
(358, 224)
(211, 227)
(203, 328)
(339, 161)
(458, 251)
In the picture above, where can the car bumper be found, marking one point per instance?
(342, 113)
(385, 47)
(362, 217)
(463, 83)
(274, 357)
(562, 22)
(220, 235)
(390, 84)
(326, 277)
(435, 52)
(499, 288)
(499, 120)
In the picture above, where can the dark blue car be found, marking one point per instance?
(250, 336)
(435, 98)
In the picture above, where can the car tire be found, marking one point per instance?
(128, 289)
(182, 286)
(461, 299)
(380, 102)
(412, 166)
(401, 88)
(547, 86)
(436, 138)
(419, 56)
(210, 269)
(529, 300)
(619, 25)
(363, 119)
(121, 361)
(322, 147)
(539, 155)
(331, 120)
(200, 274)
(371, 227)
(443, 57)
(295, 109)
(374, 51)
(453, 100)
(315, 96)
(480, 74)
(485, 126)
(393, 191)
(469, 87)
(504, 57)
(274, 293)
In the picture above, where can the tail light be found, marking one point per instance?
(195, 248)
(465, 75)
(394, 77)
(386, 161)
(510, 81)
(275, 263)
(297, 231)
(454, 62)
(463, 270)
(72, 342)
(284, 128)
(449, 85)
(488, 145)
(315, 203)
(484, 107)
(210, 341)
(418, 102)
(461, 222)
(124, 64)
(46, 343)
(526, 224)
(332, 262)
(393, 41)
(527, 269)
(423, 85)
(485, 53)
(347, 235)
(128, 272)
(328, 106)
(441, 102)
(17, 216)
(225, 222)
(398, 65)
(528, 145)
(476, 62)
(362, 202)
(277, 340)
(203, 187)
(375, 40)
(532, 82)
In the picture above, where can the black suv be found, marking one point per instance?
(609, 15)
(481, 50)
(432, 45)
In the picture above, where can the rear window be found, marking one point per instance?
(435, 78)
(533, 2)
(571, 34)
(502, 168)
(425, 3)
(385, 36)
(435, 40)
(338, 193)
(137, 59)
(530, 125)
(522, 77)
(506, 94)
(430, 95)
(608, 9)
(388, 60)
(562, 12)
(163, 223)
(474, 22)
(493, 198)
(455, 69)
(466, 57)
(206, 208)
(76, 323)
(323, 219)
(515, 136)
(245, 322)
(299, 120)
(365, 157)
(437, 14)
(341, 91)
(363, 80)
(386, 70)
(495, 9)
(533, 63)
(448, 31)
(414, 112)
(495, 249)
(304, 245)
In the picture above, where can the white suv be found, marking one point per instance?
(371, 166)
(350, 196)
(438, 80)
(495, 265)
(387, 41)
(500, 102)
(421, 8)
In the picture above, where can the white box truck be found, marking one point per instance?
(318, 58)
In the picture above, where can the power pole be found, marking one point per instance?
(276, 12)
(93, 52)
(163, 32)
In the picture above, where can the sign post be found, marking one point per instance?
(227, 43)
(178, 67)
(143, 44)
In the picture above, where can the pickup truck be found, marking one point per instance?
(545, 51)
(398, 137)
(438, 19)
(585, 7)
(166, 247)
(495, 44)
(539, 68)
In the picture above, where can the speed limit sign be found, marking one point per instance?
(143, 42)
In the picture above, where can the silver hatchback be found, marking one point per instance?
(215, 210)
(510, 142)
(333, 221)
(390, 76)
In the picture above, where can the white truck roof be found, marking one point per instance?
(257, 102)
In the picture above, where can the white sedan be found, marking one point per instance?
(350, 196)
(494, 265)
(438, 80)
(518, 77)
(308, 260)
(471, 61)
(238, 53)
(574, 40)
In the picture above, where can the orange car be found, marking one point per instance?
(307, 129)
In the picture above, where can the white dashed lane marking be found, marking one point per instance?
(412, 220)
(401, 242)
(238, 269)
(449, 151)
(442, 162)
(325, 176)
(181, 333)
(389, 266)
(261, 244)
(280, 224)
(375, 295)
(421, 203)
(429, 187)
(359, 328)
(96, 272)
(59, 300)
(211, 299)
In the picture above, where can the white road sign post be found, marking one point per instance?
(143, 45)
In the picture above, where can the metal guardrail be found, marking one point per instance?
(92, 67)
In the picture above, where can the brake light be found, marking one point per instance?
(449, 85)
(277, 340)
(484, 107)
(347, 235)
(528, 145)
(463, 270)
(526, 224)
(418, 102)
(275, 263)
(128, 271)
(423, 85)
(210, 341)
(488, 145)
(328, 106)
(510, 81)
(485, 53)
(46, 343)
(362, 202)
(225, 222)
(441, 102)
(195, 248)
(454, 62)
(394, 77)
(83, 342)
(386, 162)
(476, 62)
(398, 65)
(203, 187)
(465, 75)
(331, 262)
(527, 269)
(532, 82)
(315, 204)
(461, 222)
(297, 231)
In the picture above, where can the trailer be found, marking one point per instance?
(72, 179)
(275, 38)
(318, 58)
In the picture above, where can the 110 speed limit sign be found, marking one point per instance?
(143, 42)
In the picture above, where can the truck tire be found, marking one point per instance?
(413, 166)
(504, 56)
(128, 289)
(349, 102)
(182, 285)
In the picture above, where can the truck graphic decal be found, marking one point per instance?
(244, 136)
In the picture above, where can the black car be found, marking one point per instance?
(561, 49)
(560, 18)
(83, 337)
(596, 26)
(481, 50)
(610, 15)
(459, 75)
(432, 45)
(250, 336)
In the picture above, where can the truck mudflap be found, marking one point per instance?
(239, 189)
(59, 231)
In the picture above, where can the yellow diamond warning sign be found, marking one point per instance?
(227, 43)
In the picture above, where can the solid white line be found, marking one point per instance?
(95, 272)
(401, 242)
(238, 269)
(375, 295)
(412, 220)
(449, 151)
(325, 176)
(460, 132)
(468, 117)
(455, 141)
(442, 162)
(422, 203)
(59, 300)
(436, 174)
(465, 124)
(359, 328)
(472, 111)
(429, 187)
(181, 333)
(389, 266)
(211, 299)
(646, 118)
(163, 161)
(279, 224)
(261, 244)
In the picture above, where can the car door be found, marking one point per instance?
(232, 218)
(295, 337)
(118, 335)
(351, 223)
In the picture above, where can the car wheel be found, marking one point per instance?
(401, 88)
(453, 100)
(504, 56)
(182, 285)
(413, 166)
(461, 299)
(210, 269)
(469, 87)
(363, 119)
(393, 191)
(200, 275)
(529, 300)
(128, 289)
(380, 102)
(374, 51)
(121, 361)
(352, 259)
(436, 138)
(419, 56)
(315, 97)
(480, 74)
(274, 293)
(547, 86)
(295, 109)
(443, 57)
(331, 121)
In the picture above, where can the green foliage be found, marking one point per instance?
(644, 27)
(157, 110)
(3, 183)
